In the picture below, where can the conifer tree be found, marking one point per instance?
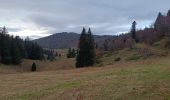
(5, 47)
(91, 49)
(133, 31)
(73, 53)
(158, 21)
(168, 14)
(15, 53)
(86, 52)
(20, 43)
(69, 53)
(34, 67)
(81, 51)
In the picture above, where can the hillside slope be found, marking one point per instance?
(142, 80)
(133, 77)
(65, 40)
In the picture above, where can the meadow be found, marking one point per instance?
(146, 79)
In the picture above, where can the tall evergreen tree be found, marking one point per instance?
(86, 52)
(133, 31)
(69, 53)
(159, 15)
(15, 53)
(168, 14)
(81, 51)
(20, 43)
(73, 53)
(158, 21)
(5, 47)
(91, 49)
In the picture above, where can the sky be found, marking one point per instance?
(39, 18)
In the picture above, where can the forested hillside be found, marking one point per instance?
(14, 49)
(150, 35)
(66, 40)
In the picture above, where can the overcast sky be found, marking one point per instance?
(38, 18)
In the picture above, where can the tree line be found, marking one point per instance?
(71, 53)
(159, 30)
(14, 49)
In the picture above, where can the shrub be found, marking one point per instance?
(34, 67)
(134, 57)
(98, 61)
(117, 59)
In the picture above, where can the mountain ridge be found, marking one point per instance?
(66, 40)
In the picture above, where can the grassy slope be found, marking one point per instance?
(139, 79)
(136, 54)
(142, 80)
(60, 63)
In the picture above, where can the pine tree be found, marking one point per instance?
(91, 49)
(69, 53)
(159, 15)
(20, 44)
(34, 67)
(15, 53)
(133, 31)
(158, 21)
(5, 47)
(82, 50)
(86, 52)
(73, 53)
(168, 14)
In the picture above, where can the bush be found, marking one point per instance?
(118, 59)
(134, 57)
(98, 61)
(108, 54)
(34, 67)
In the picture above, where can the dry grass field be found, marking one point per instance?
(141, 80)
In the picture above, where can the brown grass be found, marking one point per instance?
(58, 64)
(142, 80)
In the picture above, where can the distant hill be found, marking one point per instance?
(66, 40)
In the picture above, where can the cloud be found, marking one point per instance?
(10, 29)
(53, 16)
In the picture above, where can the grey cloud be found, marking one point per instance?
(104, 16)
(13, 29)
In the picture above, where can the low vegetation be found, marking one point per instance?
(142, 80)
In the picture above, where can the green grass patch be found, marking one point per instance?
(134, 57)
(47, 91)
